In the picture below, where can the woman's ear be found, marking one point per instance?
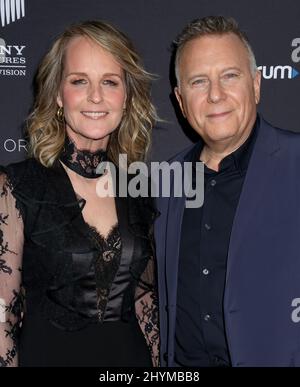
(58, 100)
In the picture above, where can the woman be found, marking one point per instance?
(76, 270)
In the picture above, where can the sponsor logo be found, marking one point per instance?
(12, 145)
(11, 11)
(283, 71)
(278, 72)
(12, 59)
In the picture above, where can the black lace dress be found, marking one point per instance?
(69, 296)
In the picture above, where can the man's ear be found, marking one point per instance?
(256, 83)
(179, 99)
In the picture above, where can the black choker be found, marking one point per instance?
(83, 162)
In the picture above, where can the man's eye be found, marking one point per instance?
(230, 76)
(200, 82)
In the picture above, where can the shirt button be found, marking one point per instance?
(207, 317)
(205, 271)
(213, 182)
(207, 226)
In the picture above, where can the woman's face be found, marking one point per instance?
(92, 93)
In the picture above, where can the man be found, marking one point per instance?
(229, 271)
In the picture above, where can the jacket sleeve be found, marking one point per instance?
(11, 249)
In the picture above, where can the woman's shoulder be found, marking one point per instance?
(21, 167)
(22, 171)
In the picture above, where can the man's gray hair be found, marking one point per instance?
(211, 25)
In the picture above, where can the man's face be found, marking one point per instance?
(217, 92)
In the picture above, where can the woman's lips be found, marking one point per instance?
(94, 115)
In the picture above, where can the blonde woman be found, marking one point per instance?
(77, 273)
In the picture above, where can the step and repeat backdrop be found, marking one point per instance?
(28, 27)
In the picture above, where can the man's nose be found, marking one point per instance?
(215, 92)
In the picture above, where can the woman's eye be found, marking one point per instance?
(110, 82)
(78, 82)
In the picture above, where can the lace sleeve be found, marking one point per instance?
(146, 308)
(11, 248)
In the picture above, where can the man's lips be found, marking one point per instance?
(218, 115)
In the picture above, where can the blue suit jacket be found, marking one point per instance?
(263, 268)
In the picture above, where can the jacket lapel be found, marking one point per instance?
(176, 206)
(261, 168)
(239, 294)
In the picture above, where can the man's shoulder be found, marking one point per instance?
(282, 143)
(288, 135)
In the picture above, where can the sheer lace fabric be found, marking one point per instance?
(106, 265)
(11, 299)
(146, 307)
(146, 301)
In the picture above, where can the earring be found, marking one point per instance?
(60, 114)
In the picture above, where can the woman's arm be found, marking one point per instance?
(11, 249)
(146, 308)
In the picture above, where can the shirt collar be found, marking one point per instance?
(239, 159)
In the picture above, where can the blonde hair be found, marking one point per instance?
(47, 132)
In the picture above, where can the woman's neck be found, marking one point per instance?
(81, 161)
